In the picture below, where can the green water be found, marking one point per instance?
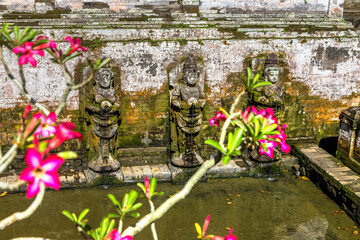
(288, 208)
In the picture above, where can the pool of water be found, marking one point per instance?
(288, 208)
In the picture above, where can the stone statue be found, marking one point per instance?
(104, 113)
(187, 101)
(271, 96)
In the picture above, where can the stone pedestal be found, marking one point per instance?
(348, 149)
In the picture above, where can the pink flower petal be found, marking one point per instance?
(51, 118)
(33, 158)
(18, 50)
(206, 224)
(32, 61)
(23, 60)
(52, 163)
(51, 179)
(27, 175)
(33, 188)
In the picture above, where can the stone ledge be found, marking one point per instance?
(337, 181)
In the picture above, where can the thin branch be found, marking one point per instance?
(153, 228)
(8, 157)
(30, 238)
(11, 186)
(25, 214)
(76, 87)
(20, 85)
(159, 212)
(228, 120)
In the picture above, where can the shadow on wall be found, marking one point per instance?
(329, 144)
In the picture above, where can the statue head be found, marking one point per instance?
(104, 78)
(272, 70)
(190, 71)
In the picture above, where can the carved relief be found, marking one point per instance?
(103, 109)
(187, 99)
(271, 96)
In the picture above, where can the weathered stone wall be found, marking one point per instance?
(333, 8)
(352, 12)
(319, 57)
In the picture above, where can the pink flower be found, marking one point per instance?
(230, 237)
(47, 126)
(40, 171)
(27, 53)
(147, 187)
(267, 113)
(115, 235)
(269, 147)
(26, 111)
(50, 43)
(227, 237)
(64, 133)
(216, 120)
(206, 224)
(75, 45)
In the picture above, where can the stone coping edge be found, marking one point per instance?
(339, 182)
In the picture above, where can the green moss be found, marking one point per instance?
(182, 41)
(173, 25)
(93, 44)
(106, 180)
(200, 42)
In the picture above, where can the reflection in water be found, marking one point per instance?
(285, 209)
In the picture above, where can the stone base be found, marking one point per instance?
(180, 161)
(235, 168)
(180, 175)
(100, 166)
(113, 178)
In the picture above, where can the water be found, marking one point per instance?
(288, 208)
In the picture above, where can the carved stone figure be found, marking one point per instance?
(187, 101)
(103, 110)
(271, 96)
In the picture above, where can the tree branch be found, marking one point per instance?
(160, 211)
(20, 85)
(8, 157)
(27, 213)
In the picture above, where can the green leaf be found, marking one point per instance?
(262, 84)
(102, 64)
(110, 227)
(198, 229)
(269, 128)
(16, 33)
(74, 217)
(142, 187)
(113, 215)
(237, 139)
(159, 193)
(125, 200)
(257, 126)
(239, 123)
(152, 186)
(67, 155)
(215, 144)
(114, 201)
(23, 34)
(135, 215)
(104, 226)
(82, 214)
(73, 55)
(249, 76)
(132, 197)
(256, 78)
(230, 141)
(30, 36)
(68, 215)
(136, 206)
(237, 153)
(226, 159)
